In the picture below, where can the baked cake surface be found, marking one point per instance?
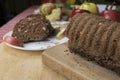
(96, 39)
(33, 28)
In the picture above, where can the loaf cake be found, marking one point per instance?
(34, 27)
(95, 39)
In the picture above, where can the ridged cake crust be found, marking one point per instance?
(96, 39)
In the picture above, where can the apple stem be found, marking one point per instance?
(112, 5)
(106, 8)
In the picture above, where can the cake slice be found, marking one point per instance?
(34, 27)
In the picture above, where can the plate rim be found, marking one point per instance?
(21, 48)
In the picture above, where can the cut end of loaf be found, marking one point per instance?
(33, 28)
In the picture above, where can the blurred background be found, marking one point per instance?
(10, 8)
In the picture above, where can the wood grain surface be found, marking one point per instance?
(74, 67)
(24, 65)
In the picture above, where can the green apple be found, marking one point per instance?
(55, 15)
(47, 8)
(92, 7)
(60, 34)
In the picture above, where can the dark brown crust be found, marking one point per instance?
(113, 41)
(97, 40)
(79, 28)
(70, 25)
(33, 28)
(117, 51)
(116, 56)
(84, 32)
(92, 32)
(79, 18)
(72, 30)
(106, 37)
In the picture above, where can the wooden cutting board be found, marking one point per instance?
(24, 65)
(75, 67)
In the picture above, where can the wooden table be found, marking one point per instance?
(19, 64)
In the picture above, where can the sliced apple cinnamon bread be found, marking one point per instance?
(33, 28)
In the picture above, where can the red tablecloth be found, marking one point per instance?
(9, 26)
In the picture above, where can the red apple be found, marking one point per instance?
(13, 41)
(76, 11)
(111, 15)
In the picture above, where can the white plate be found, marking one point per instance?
(40, 45)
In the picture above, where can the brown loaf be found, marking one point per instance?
(34, 27)
(96, 39)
